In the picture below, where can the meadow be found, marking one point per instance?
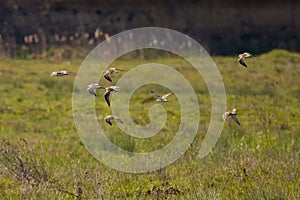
(42, 156)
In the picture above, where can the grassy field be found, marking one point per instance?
(42, 157)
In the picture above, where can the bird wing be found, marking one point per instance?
(92, 86)
(154, 94)
(225, 117)
(114, 88)
(97, 86)
(106, 96)
(107, 120)
(241, 61)
(106, 76)
(91, 91)
(63, 72)
(235, 119)
(117, 119)
(247, 55)
(166, 95)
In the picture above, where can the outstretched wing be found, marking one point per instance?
(117, 119)
(106, 96)
(225, 117)
(106, 76)
(92, 91)
(166, 95)
(114, 88)
(108, 121)
(154, 94)
(241, 61)
(121, 70)
(247, 55)
(235, 119)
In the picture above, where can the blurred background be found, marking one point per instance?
(70, 28)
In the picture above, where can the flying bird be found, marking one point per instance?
(242, 57)
(111, 117)
(109, 72)
(108, 90)
(233, 116)
(159, 98)
(92, 88)
(59, 73)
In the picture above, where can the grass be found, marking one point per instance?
(42, 157)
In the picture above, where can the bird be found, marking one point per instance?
(92, 88)
(242, 57)
(109, 72)
(59, 73)
(233, 116)
(108, 90)
(111, 117)
(160, 99)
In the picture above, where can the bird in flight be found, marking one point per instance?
(233, 116)
(159, 98)
(242, 57)
(108, 90)
(92, 88)
(60, 73)
(111, 117)
(109, 72)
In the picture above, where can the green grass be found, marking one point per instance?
(258, 160)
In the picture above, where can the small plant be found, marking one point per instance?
(20, 162)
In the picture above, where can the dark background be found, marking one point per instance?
(224, 27)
